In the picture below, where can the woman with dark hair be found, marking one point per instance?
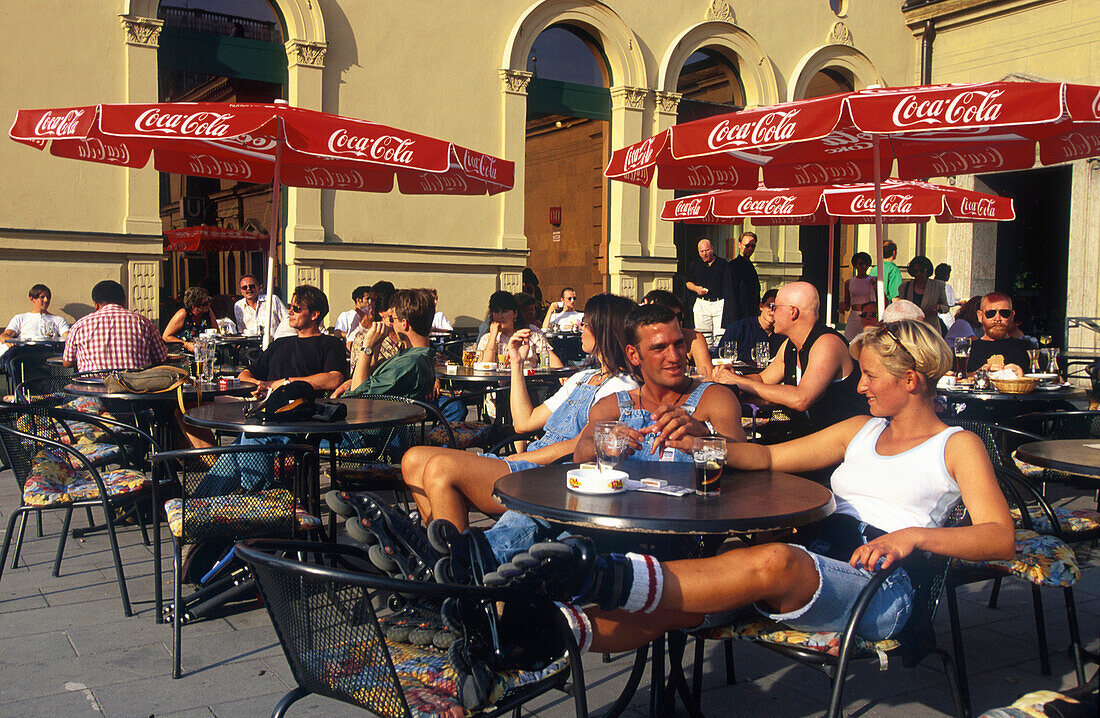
(444, 482)
(966, 321)
(858, 291)
(190, 321)
(531, 286)
(698, 349)
(927, 293)
(504, 313)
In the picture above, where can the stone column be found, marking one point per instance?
(142, 38)
(660, 232)
(305, 67)
(1082, 285)
(513, 121)
(627, 202)
(972, 249)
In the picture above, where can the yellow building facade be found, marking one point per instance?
(454, 69)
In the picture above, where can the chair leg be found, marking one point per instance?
(140, 513)
(957, 648)
(727, 652)
(19, 543)
(995, 592)
(286, 701)
(950, 669)
(91, 519)
(38, 516)
(158, 590)
(1040, 630)
(177, 621)
(1075, 649)
(61, 542)
(697, 672)
(120, 574)
(7, 536)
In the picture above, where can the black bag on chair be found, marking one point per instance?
(293, 401)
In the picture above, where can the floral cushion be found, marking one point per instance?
(427, 679)
(98, 454)
(467, 434)
(257, 513)
(764, 630)
(54, 481)
(1071, 521)
(1042, 560)
(1030, 705)
(1029, 470)
(748, 422)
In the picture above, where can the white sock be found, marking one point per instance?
(579, 624)
(647, 585)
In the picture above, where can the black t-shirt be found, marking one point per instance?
(713, 277)
(746, 290)
(1013, 350)
(746, 334)
(301, 356)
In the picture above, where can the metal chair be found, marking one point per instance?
(227, 493)
(53, 474)
(833, 653)
(332, 640)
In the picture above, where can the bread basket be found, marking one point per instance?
(1015, 386)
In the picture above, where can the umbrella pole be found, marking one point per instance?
(276, 223)
(829, 286)
(880, 286)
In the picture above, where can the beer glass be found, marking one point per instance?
(709, 454)
(962, 355)
(610, 443)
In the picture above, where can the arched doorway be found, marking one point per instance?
(228, 51)
(710, 84)
(566, 148)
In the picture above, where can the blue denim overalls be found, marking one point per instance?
(638, 419)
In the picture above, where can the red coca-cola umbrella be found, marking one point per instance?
(213, 239)
(927, 131)
(902, 202)
(263, 143)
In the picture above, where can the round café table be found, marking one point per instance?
(1080, 457)
(996, 405)
(51, 343)
(750, 501)
(469, 379)
(363, 414)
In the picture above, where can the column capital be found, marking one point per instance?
(631, 98)
(141, 31)
(668, 102)
(305, 54)
(515, 82)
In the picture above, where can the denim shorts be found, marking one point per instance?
(513, 464)
(838, 589)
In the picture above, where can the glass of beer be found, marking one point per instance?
(962, 355)
(709, 453)
(469, 354)
(610, 443)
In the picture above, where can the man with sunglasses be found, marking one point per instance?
(310, 356)
(997, 319)
(250, 313)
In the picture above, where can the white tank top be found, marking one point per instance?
(912, 488)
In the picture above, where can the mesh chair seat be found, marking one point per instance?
(53, 481)
(426, 677)
(1040, 560)
(261, 514)
(765, 630)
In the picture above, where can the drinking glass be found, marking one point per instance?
(727, 351)
(610, 443)
(1033, 361)
(962, 355)
(469, 354)
(709, 454)
(1052, 360)
(762, 354)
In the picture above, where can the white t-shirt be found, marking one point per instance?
(347, 320)
(440, 323)
(616, 383)
(30, 325)
(566, 320)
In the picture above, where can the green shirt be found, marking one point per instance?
(410, 374)
(892, 281)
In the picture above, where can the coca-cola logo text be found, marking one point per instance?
(956, 162)
(638, 156)
(779, 205)
(966, 108)
(982, 207)
(338, 179)
(1076, 145)
(840, 141)
(94, 150)
(895, 204)
(58, 125)
(384, 148)
(261, 143)
(702, 176)
(772, 128)
(688, 207)
(810, 173)
(195, 124)
(209, 166)
(451, 183)
(480, 165)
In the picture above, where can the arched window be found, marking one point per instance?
(710, 84)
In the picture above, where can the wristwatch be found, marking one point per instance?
(368, 351)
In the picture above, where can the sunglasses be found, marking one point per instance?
(297, 308)
(868, 315)
(770, 307)
(245, 287)
(990, 313)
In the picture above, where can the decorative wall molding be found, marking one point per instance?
(628, 287)
(632, 98)
(141, 31)
(720, 11)
(144, 288)
(307, 274)
(668, 101)
(306, 54)
(511, 282)
(515, 81)
(839, 34)
(663, 283)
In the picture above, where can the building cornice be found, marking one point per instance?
(956, 12)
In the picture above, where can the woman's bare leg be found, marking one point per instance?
(778, 575)
(412, 471)
(455, 479)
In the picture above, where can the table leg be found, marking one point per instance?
(677, 682)
(657, 691)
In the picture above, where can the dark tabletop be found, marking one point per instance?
(93, 387)
(1039, 395)
(1074, 456)
(362, 414)
(750, 501)
(56, 343)
(466, 375)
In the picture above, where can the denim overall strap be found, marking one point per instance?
(696, 396)
(569, 419)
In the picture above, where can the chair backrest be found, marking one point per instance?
(1061, 424)
(1000, 441)
(25, 429)
(389, 444)
(237, 491)
(47, 390)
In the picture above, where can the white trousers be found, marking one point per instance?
(708, 319)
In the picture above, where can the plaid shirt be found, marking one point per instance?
(113, 337)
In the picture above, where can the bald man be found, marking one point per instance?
(813, 372)
(708, 279)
